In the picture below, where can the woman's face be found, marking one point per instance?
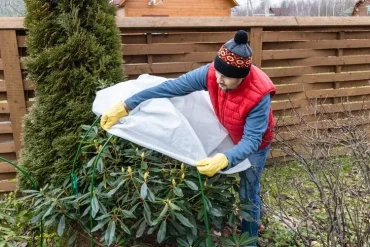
(227, 83)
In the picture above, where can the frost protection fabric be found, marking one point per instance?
(184, 128)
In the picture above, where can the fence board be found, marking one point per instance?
(199, 37)
(296, 36)
(289, 88)
(355, 67)
(124, 31)
(334, 28)
(144, 49)
(330, 108)
(319, 78)
(5, 127)
(8, 147)
(331, 21)
(357, 35)
(356, 51)
(6, 137)
(3, 96)
(285, 104)
(188, 57)
(133, 23)
(14, 83)
(317, 44)
(287, 54)
(318, 61)
(27, 85)
(361, 83)
(13, 23)
(7, 176)
(7, 186)
(256, 45)
(339, 92)
(4, 108)
(2, 86)
(21, 41)
(297, 71)
(6, 168)
(136, 69)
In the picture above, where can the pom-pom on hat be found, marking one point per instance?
(234, 58)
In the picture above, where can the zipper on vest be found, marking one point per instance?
(223, 108)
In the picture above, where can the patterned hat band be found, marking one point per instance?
(233, 59)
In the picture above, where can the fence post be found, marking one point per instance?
(338, 68)
(256, 45)
(14, 83)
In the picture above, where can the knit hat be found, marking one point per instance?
(234, 57)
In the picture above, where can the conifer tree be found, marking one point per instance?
(74, 50)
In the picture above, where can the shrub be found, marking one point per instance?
(138, 196)
(328, 203)
(74, 49)
(14, 220)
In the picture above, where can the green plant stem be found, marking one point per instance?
(193, 197)
(209, 242)
(73, 176)
(136, 188)
(26, 174)
(92, 187)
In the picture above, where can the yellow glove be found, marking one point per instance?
(210, 166)
(111, 116)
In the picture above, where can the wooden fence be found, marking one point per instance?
(305, 57)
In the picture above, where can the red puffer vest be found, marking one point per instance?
(232, 107)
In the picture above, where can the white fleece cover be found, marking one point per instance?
(184, 128)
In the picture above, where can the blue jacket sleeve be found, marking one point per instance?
(254, 129)
(194, 80)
